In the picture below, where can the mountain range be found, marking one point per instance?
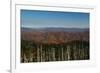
(54, 35)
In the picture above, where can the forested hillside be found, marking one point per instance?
(42, 45)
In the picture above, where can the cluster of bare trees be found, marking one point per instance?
(39, 52)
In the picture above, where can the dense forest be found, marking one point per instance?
(54, 46)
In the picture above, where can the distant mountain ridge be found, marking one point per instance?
(54, 29)
(54, 35)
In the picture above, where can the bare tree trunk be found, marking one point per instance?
(65, 54)
(68, 52)
(62, 54)
(38, 54)
(49, 54)
(75, 52)
(41, 52)
(25, 59)
(53, 54)
(31, 57)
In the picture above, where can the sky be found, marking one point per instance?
(43, 19)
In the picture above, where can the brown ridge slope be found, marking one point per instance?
(53, 37)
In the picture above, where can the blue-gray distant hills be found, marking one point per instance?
(54, 29)
(54, 35)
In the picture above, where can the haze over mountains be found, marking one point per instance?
(56, 29)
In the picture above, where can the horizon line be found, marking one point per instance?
(58, 27)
